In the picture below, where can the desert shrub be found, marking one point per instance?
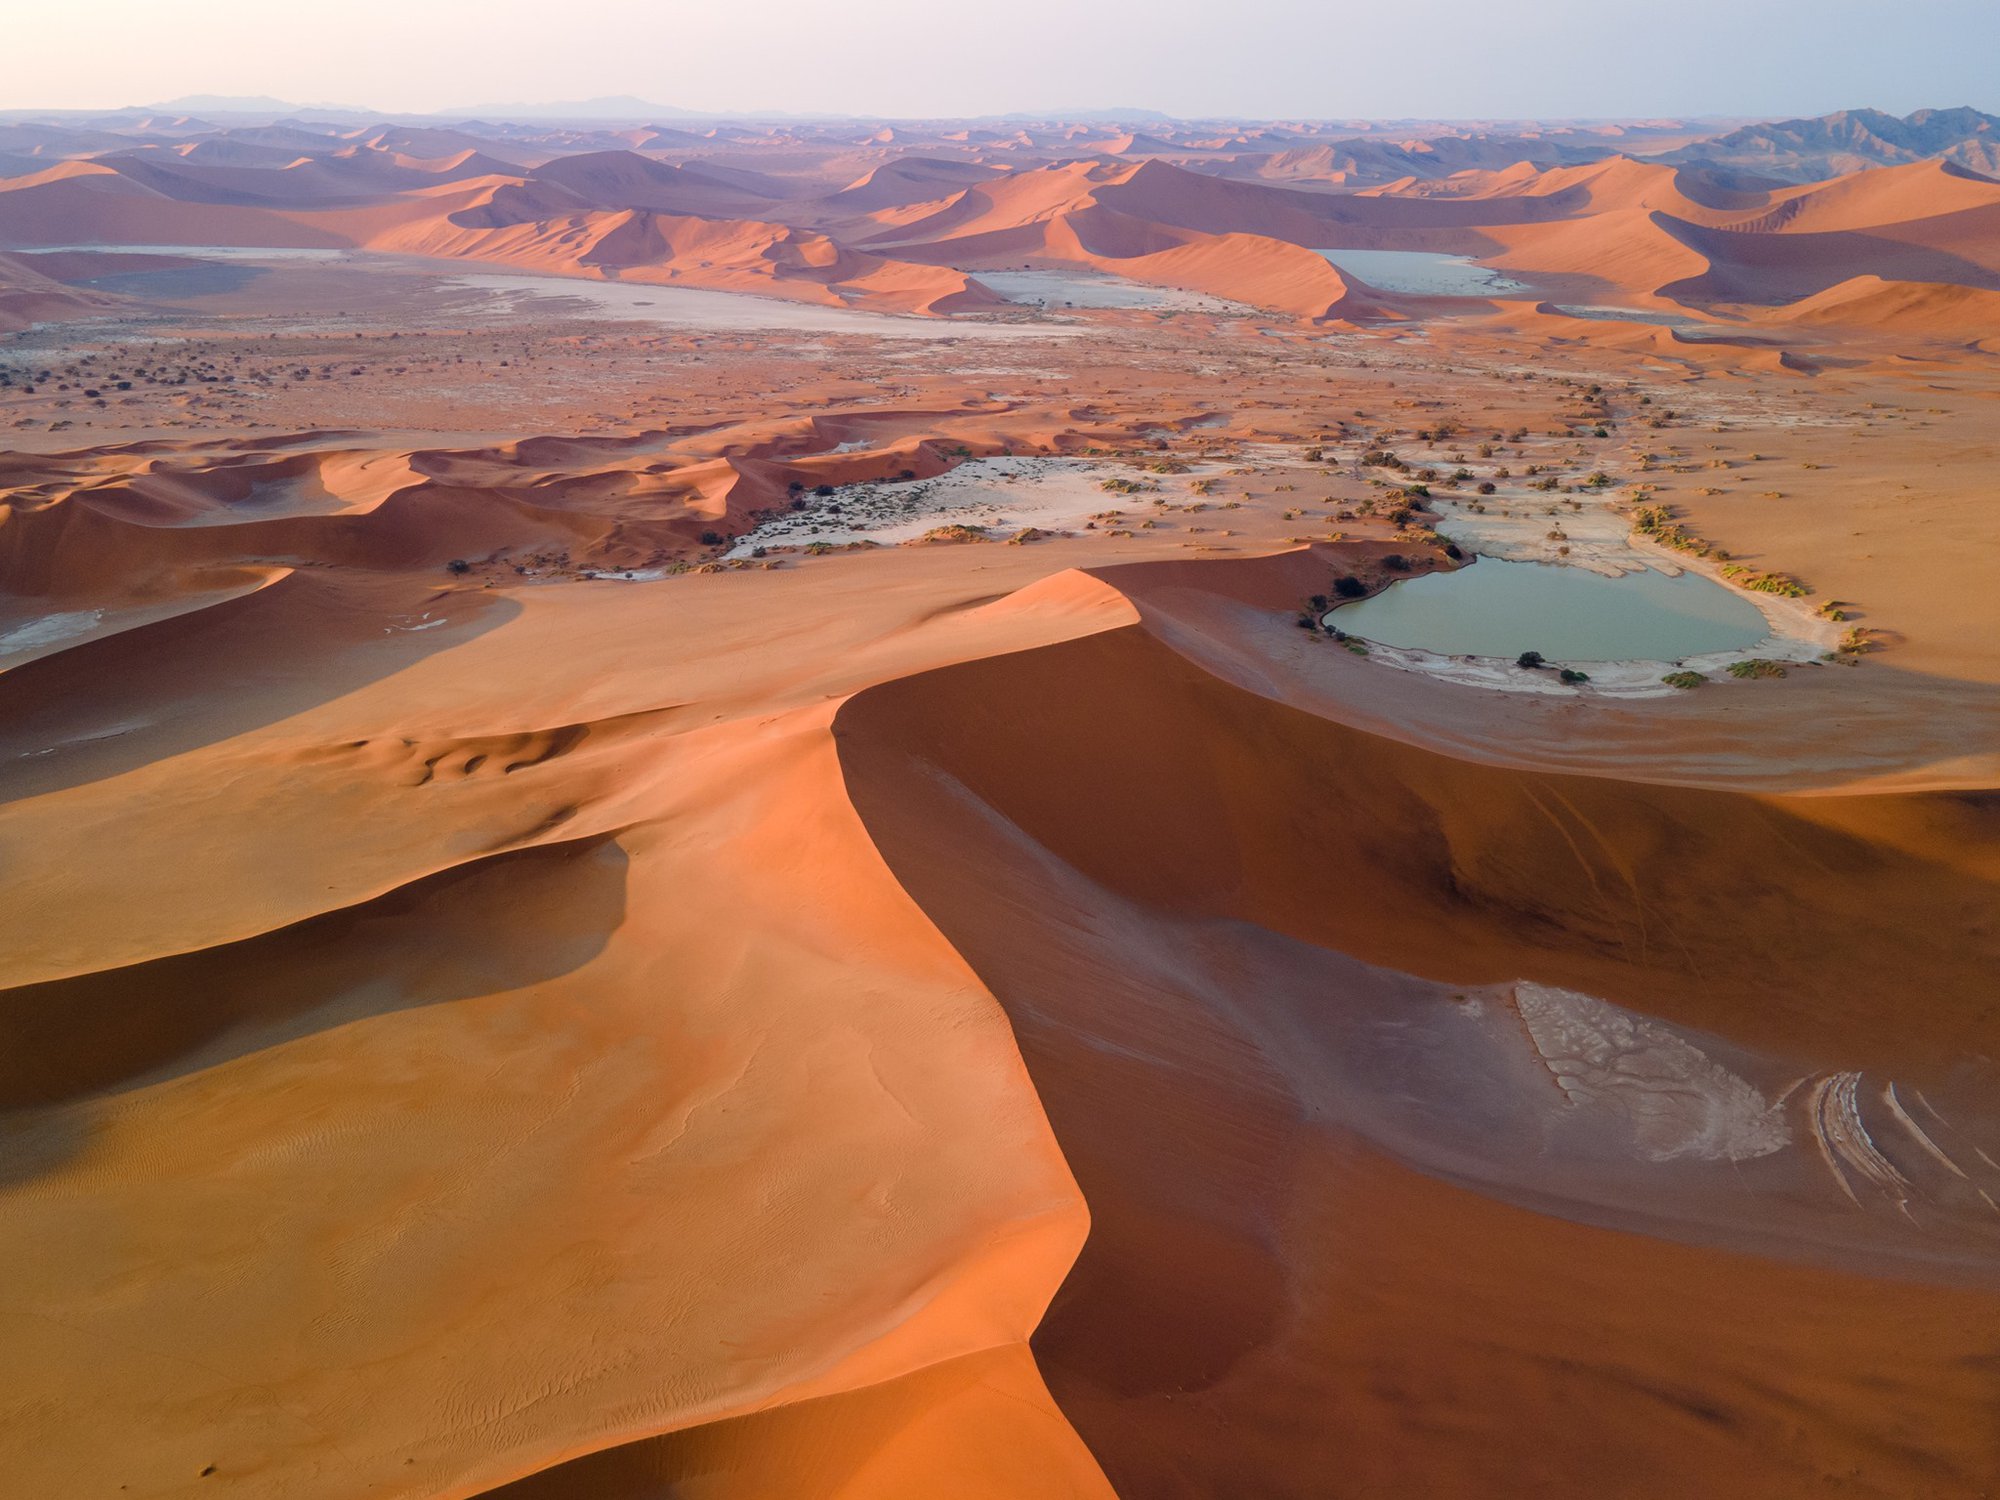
(1349, 587)
(1529, 660)
(955, 532)
(823, 490)
(458, 565)
(1572, 676)
(1684, 680)
(1756, 667)
(1395, 562)
(1773, 583)
(713, 539)
(1486, 486)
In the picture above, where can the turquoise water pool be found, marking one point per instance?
(1500, 609)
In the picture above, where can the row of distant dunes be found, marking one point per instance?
(905, 219)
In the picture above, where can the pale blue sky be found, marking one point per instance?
(1455, 59)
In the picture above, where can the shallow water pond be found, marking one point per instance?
(1089, 289)
(1422, 273)
(1500, 609)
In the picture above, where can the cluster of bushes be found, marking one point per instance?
(1782, 584)
(1684, 680)
(956, 532)
(1531, 661)
(1656, 523)
(1756, 667)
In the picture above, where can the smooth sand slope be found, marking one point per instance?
(526, 976)
(542, 955)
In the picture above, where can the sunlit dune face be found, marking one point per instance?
(1066, 805)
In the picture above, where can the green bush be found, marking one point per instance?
(1756, 667)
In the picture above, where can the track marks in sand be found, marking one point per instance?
(1862, 1161)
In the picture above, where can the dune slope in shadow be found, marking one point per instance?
(1455, 1129)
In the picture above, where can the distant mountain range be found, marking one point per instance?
(243, 104)
(1826, 146)
(1799, 150)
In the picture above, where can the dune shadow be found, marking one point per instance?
(487, 926)
(110, 705)
(1097, 825)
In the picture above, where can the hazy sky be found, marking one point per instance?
(912, 58)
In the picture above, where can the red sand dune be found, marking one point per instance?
(984, 1020)
(1615, 228)
(31, 292)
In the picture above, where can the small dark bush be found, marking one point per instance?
(1349, 587)
(1486, 486)
(1529, 660)
(1395, 562)
(712, 539)
(1571, 675)
(458, 565)
(822, 490)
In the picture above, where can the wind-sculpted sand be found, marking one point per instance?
(612, 907)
